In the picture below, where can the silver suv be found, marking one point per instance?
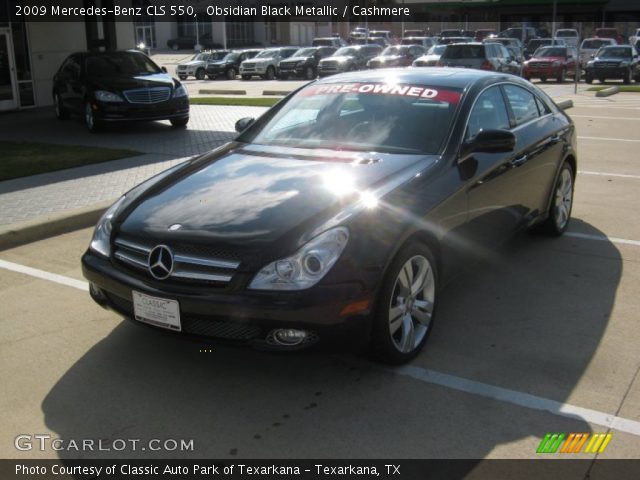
(265, 64)
(197, 66)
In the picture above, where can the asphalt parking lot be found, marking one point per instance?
(541, 337)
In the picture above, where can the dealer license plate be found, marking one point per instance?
(160, 312)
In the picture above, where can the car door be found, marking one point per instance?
(71, 89)
(539, 147)
(495, 209)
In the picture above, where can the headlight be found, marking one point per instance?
(181, 91)
(101, 235)
(306, 267)
(624, 64)
(104, 96)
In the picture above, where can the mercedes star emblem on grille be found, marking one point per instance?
(160, 262)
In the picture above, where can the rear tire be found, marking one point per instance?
(561, 203)
(309, 73)
(405, 312)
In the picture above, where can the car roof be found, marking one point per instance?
(441, 77)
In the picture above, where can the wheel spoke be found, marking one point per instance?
(420, 279)
(405, 277)
(408, 334)
(395, 318)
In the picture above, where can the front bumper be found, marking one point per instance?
(124, 111)
(241, 317)
(253, 70)
(538, 72)
(606, 72)
(292, 70)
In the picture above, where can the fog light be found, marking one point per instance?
(289, 336)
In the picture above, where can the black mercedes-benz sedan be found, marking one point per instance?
(118, 86)
(340, 212)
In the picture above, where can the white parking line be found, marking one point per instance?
(605, 174)
(609, 139)
(518, 398)
(605, 118)
(52, 277)
(603, 238)
(431, 376)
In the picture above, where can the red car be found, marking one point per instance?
(609, 33)
(551, 62)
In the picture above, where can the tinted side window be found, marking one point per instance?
(489, 113)
(523, 104)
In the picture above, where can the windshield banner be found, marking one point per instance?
(418, 91)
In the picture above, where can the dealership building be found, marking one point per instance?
(32, 51)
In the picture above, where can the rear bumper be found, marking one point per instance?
(242, 317)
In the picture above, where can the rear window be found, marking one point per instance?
(454, 52)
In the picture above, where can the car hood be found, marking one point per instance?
(192, 63)
(296, 59)
(547, 59)
(258, 60)
(387, 58)
(141, 81)
(341, 58)
(255, 196)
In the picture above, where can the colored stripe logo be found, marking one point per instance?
(574, 443)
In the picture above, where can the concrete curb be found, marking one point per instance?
(207, 91)
(607, 92)
(276, 92)
(565, 104)
(51, 225)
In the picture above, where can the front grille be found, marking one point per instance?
(248, 68)
(539, 64)
(607, 64)
(205, 327)
(193, 264)
(148, 95)
(288, 64)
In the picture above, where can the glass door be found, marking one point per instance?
(7, 84)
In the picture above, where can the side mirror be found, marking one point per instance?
(164, 69)
(489, 141)
(244, 123)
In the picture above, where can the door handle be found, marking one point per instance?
(516, 162)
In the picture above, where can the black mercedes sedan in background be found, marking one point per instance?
(340, 212)
(614, 62)
(118, 86)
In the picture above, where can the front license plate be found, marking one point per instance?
(160, 312)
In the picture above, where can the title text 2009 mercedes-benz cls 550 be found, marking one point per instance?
(118, 86)
(339, 212)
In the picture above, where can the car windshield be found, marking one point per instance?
(390, 51)
(537, 43)
(615, 52)
(594, 44)
(231, 57)
(566, 33)
(551, 52)
(347, 51)
(120, 64)
(213, 56)
(200, 57)
(305, 52)
(463, 51)
(361, 117)
(267, 54)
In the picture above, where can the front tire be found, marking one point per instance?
(179, 122)
(231, 74)
(90, 120)
(404, 315)
(562, 76)
(561, 204)
(627, 77)
(271, 73)
(200, 74)
(61, 112)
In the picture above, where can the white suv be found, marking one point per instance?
(570, 36)
(265, 64)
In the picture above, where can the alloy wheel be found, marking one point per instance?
(563, 199)
(411, 304)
